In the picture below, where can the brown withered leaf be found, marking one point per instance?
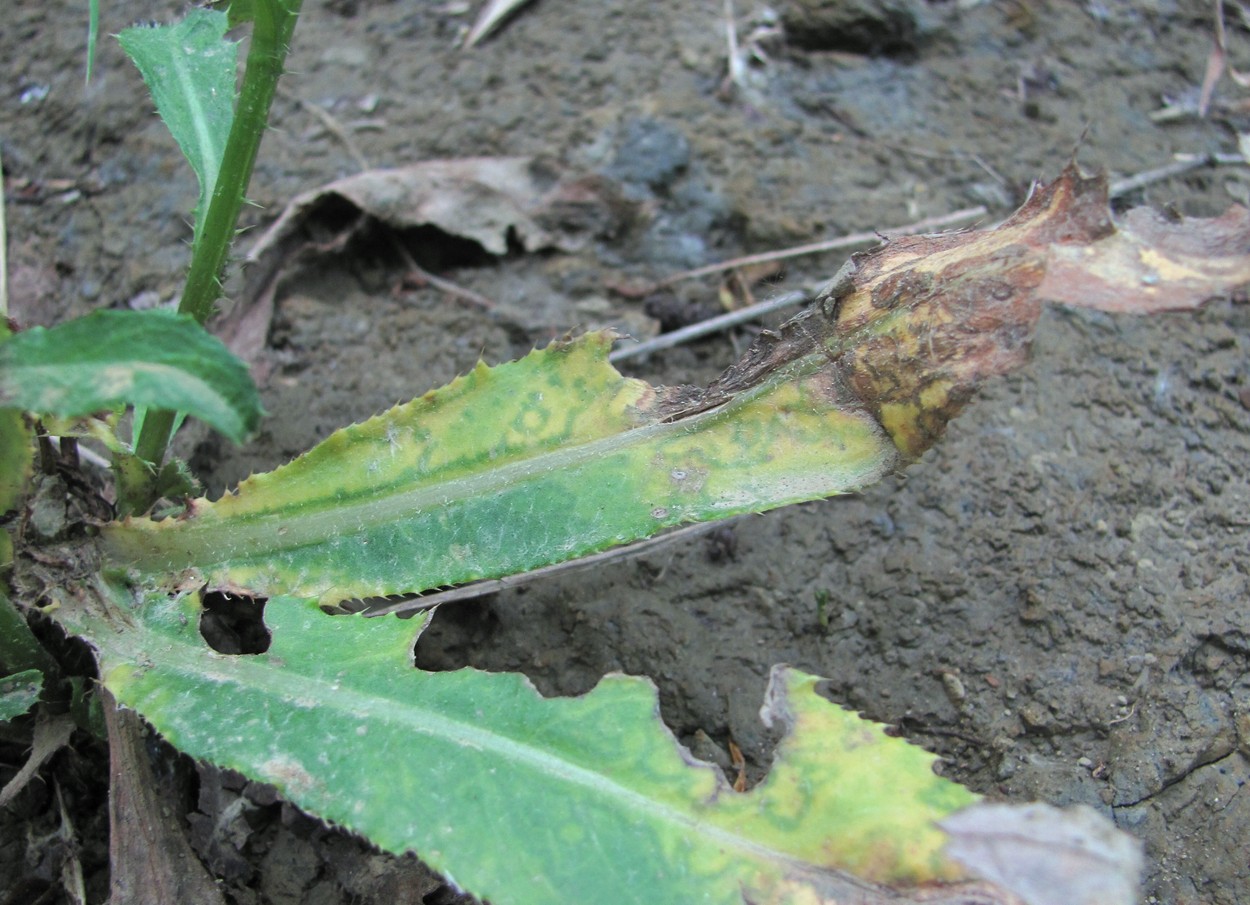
(489, 200)
(496, 202)
(910, 330)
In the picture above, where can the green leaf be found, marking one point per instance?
(507, 469)
(16, 457)
(189, 68)
(19, 692)
(113, 358)
(519, 798)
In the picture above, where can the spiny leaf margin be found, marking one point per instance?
(506, 469)
(595, 798)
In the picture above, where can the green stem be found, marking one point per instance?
(272, 27)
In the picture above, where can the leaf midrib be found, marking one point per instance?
(260, 674)
(151, 548)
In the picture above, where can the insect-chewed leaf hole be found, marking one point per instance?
(232, 624)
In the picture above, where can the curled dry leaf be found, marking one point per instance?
(497, 202)
(1045, 855)
(489, 200)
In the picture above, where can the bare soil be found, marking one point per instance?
(1054, 600)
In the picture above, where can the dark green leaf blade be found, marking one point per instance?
(112, 358)
(240, 11)
(19, 692)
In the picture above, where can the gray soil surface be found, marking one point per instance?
(1054, 600)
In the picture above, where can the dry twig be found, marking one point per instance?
(333, 126)
(423, 276)
(1184, 163)
(851, 240)
(711, 325)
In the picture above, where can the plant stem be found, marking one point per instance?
(272, 27)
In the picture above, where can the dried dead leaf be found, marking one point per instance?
(1217, 61)
(1152, 264)
(497, 202)
(1047, 856)
(484, 199)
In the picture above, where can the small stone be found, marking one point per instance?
(650, 152)
(1034, 716)
(954, 688)
(1242, 724)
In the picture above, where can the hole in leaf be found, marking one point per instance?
(232, 624)
(449, 640)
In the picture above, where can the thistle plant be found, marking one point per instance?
(508, 469)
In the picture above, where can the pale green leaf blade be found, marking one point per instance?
(189, 68)
(19, 692)
(524, 799)
(17, 454)
(112, 358)
(511, 468)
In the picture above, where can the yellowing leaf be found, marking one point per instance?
(507, 469)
